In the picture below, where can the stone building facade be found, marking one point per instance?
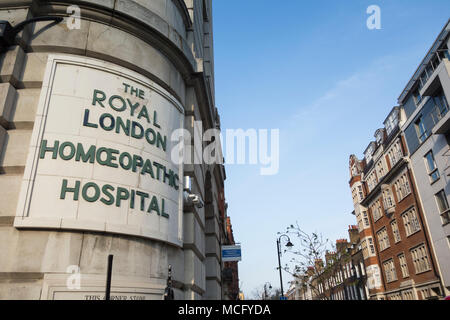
(75, 144)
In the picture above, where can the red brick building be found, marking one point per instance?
(230, 271)
(394, 240)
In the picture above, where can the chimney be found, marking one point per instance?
(353, 233)
(310, 271)
(341, 245)
(319, 265)
(329, 257)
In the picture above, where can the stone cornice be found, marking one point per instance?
(179, 53)
(181, 5)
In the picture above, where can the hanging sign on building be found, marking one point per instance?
(231, 253)
(100, 153)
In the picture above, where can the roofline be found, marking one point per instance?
(367, 148)
(392, 110)
(442, 35)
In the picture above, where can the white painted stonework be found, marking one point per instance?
(92, 287)
(373, 276)
(67, 92)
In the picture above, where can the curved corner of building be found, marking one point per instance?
(87, 109)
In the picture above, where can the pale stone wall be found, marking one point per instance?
(171, 44)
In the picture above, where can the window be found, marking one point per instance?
(354, 196)
(360, 193)
(395, 231)
(425, 293)
(420, 259)
(379, 136)
(383, 239)
(372, 181)
(368, 249)
(380, 169)
(420, 129)
(389, 126)
(371, 246)
(376, 210)
(389, 270)
(360, 225)
(388, 199)
(408, 295)
(357, 194)
(433, 172)
(417, 97)
(411, 222)
(366, 219)
(395, 153)
(403, 265)
(392, 122)
(363, 268)
(441, 105)
(442, 203)
(354, 170)
(364, 249)
(402, 188)
(395, 296)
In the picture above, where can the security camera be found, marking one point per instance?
(196, 200)
(193, 199)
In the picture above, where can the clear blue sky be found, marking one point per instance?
(315, 71)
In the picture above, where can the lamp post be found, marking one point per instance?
(168, 292)
(8, 33)
(265, 290)
(288, 244)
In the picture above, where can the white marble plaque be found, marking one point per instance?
(99, 157)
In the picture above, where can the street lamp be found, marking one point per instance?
(265, 290)
(289, 245)
(168, 292)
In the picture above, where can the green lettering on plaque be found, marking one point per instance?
(163, 212)
(122, 156)
(85, 156)
(142, 195)
(98, 99)
(122, 103)
(99, 158)
(86, 122)
(111, 119)
(125, 127)
(161, 142)
(154, 206)
(85, 195)
(105, 189)
(65, 189)
(53, 150)
(147, 168)
(63, 147)
(135, 125)
(122, 194)
(144, 113)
